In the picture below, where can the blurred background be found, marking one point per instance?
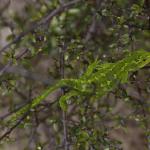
(42, 41)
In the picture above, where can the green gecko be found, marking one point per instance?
(97, 80)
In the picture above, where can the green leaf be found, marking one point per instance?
(83, 136)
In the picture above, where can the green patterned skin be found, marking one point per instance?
(97, 81)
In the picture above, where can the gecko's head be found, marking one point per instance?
(139, 58)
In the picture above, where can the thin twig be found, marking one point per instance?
(10, 62)
(23, 105)
(13, 127)
(62, 51)
(43, 20)
(17, 70)
(91, 29)
(21, 119)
